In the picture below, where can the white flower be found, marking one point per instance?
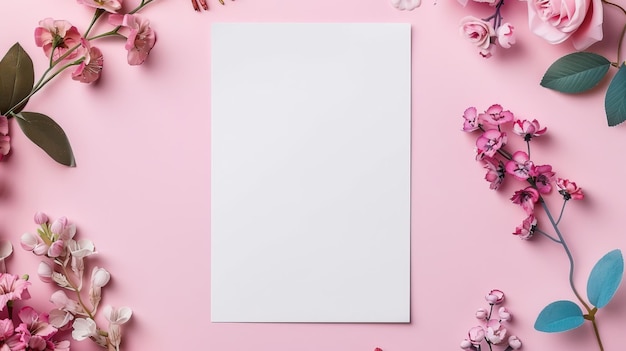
(84, 328)
(117, 316)
(406, 4)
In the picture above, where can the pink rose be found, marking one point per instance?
(558, 20)
(479, 33)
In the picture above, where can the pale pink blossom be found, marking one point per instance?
(489, 143)
(99, 278)
(12, 288)
(495, 115)
(60, 319)
(481, 313)
(44, 271)
(117, 316)
(495, 333)
(504, 314)
(471, 120)
(84, 328)
(88, 71)
(514, 342)
(141, 38)
(519, 165)
(63, 229)
(476, 335)
(406, 4)
(56, 249)
(5, 139)
(59, 36)
(569, 190)
(62, 302)
(527, 228)
(542, 176)
(528, 129)
(107, 5)
(526, 198)
(558, 20)
(479, 33)
(6, 249)
(34, 243)
(495, 297)
(505, 35)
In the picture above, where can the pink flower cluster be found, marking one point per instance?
(487, 33)
(491, 328)
(61, 41)
(63, 264)
(491, 152)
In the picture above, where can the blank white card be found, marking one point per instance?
(310, 172)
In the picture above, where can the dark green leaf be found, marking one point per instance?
(48, 135)
(605, 278)
(576, 73)
(16, 78)
(615, 100)
(559, 316)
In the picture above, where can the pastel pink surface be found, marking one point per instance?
(141, 188)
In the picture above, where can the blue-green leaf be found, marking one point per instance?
(559, 316)
(576, 73)
(605, 278)
(615, 100)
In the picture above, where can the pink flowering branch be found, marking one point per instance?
(500, 162)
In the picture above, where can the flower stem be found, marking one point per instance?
(96, 15)
(621, 37)
(561, 214)
(548, 236)
(77, 291)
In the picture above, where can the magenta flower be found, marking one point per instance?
(526, 198)
(12, 288)
(5, 139)
(528, 129)
(471, 120)
(495, 172)
(107, 5)
(141, 37)
(543, 176)
(489, 143)
(495, 116)
(35, 324)
(59, 36)
(88, 71)
(495, 297)
(519, 165)
(569, 190)
(527, 228)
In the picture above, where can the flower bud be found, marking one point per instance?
(44, 271)
(495, 297)
(466, 345)
(56, 249)
(58, 226)
(514, 342)
(41, 218)
(504, 314)
(482, 313)
(99, 277)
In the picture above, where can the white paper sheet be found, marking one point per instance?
(310, 185)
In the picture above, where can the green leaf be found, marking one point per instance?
(615, 100)
(16, 78)
(559, 316)
(576, 73)
(605, 278)
(48, 135)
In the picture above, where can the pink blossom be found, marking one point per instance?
(558, 20)
(496, 115)
(5, 139)
(479, 33)
(527, 228)
(489, 143)
(528, 129)
(466, 344)
(9, 340)
(476, 335)
(495, 172)
(526, 198)
(543, 178)
(471, 120)
(519, 165)
(35, 323)
(141, 37)
(88, 71)
(504, 314)
(569, 190)
(495, 297)
(514, 342)
(505, 35)
(44, 271)
(40, 218)
(107, 5)
(495, 334)
(482, 313)
(34, 243)
(59, 36)
(12, 288)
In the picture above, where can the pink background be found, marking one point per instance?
(141, 188)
